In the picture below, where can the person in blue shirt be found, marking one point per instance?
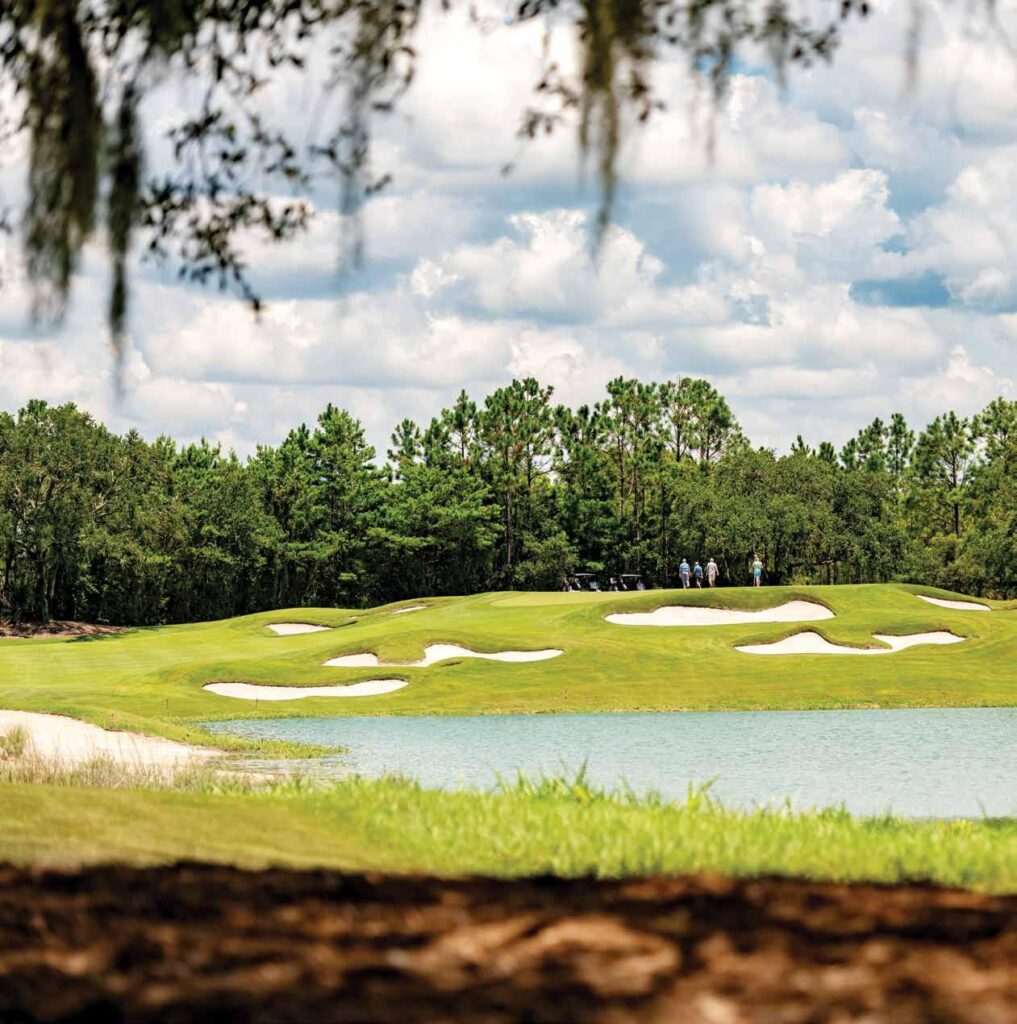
(757, 571)
(683, 573)
(697, 575)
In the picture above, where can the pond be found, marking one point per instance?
(947, 762)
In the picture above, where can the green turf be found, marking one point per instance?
(151, 679)
(551, 828)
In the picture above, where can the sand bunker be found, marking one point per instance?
(295, 628)
(440, 652)
(70, 742)
(253, 691)
(692, 615)
(958, 606)
(812, 643)
(412, 608)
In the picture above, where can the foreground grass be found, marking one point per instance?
(556, 827)
(151, 680)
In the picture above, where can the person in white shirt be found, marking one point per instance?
(712, 572)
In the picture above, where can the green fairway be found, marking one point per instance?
(555, 827)
(152, 679)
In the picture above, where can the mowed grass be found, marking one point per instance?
(554, 827)
(151, 679)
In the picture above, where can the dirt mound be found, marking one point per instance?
(56, 627)
(197, 943)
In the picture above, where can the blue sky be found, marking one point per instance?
(850, 252)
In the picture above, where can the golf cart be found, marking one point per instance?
(628, 581)
(584, 581)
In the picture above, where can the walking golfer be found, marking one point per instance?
(757, 571)
(697, 575)
(712, 572)
(683, 573)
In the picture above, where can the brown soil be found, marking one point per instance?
(55, 628)
(197, 943)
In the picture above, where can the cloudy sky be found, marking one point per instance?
(850, 251)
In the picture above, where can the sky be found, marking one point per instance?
(849, 251)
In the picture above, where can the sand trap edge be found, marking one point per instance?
(689, 615)
(957, 606)
(258, 691)
(434, 653)
(810, 642)
(295, 628)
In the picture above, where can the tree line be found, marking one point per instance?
(511, 492)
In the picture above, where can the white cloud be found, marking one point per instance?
(959, 384)
(755, 135)
(547, 265)
(971, 237)
(851, 208)
(365, 339)
(965, 69)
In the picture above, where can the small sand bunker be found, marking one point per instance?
(957, 606)
(693, 615)
(412, 608)
(295, 628)
(70, 742)
(440, 652)
(254, 691)
(812, 643)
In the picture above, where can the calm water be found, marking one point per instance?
(922, 762)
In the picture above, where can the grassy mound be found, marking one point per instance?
(554, 826)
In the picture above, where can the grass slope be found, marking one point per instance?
(151, 679)
(554, 827)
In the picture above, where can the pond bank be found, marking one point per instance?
(920, 762)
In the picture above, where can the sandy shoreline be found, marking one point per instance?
(71, 742)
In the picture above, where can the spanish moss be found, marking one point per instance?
(82, 70)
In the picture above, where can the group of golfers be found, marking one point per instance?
(689, 575)
(695, 574)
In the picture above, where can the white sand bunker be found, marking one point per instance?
(70, 742)
(254, 691)
(692, 615)
(412, 608)
(295, 628)
(812, 643)
(958, 606)
(440, 652)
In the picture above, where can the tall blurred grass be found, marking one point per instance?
(560, 825)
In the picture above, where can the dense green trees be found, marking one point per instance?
(511, 492)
